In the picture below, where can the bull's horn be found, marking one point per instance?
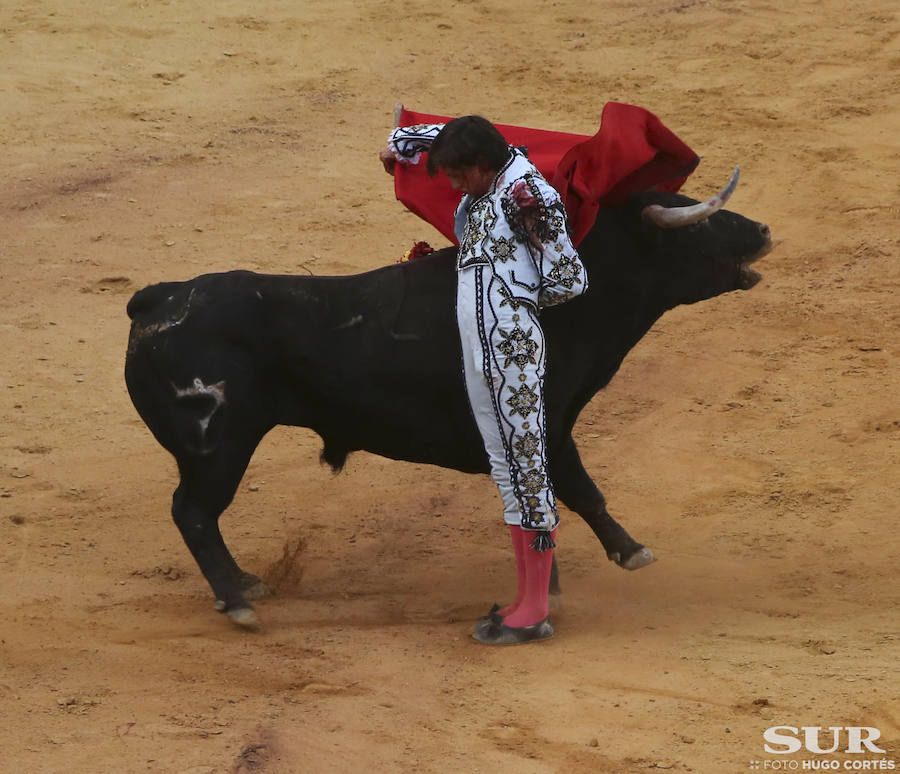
(675, 217)
(398, 109)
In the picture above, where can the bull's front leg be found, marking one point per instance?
(574, 487)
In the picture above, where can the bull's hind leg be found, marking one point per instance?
(574, 487)
(207, 487)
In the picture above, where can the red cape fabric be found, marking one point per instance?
(632, 151)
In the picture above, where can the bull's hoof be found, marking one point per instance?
(640, 558)
(245, 617)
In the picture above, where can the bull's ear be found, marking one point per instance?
(677, 217)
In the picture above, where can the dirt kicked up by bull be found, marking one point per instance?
(371, 362)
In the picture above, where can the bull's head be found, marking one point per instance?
(705, 249)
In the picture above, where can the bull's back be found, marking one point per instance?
(364, 360)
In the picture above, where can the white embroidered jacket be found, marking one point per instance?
(518, 227)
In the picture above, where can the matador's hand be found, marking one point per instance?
(388, 160)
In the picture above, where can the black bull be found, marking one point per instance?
(372, 362)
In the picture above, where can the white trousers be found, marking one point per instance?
(503, 362)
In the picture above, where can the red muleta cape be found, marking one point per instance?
(632, 151)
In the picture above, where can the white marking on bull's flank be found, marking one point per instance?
(217, 390)
(355, 320)
(199, 389)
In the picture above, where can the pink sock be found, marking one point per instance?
(534, 606)
(518, 540)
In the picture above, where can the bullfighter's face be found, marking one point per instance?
(475, 181)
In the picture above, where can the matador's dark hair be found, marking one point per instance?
(465, 142)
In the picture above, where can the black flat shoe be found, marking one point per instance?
(492, 631)
(492, 615)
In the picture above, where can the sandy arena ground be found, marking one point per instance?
(752, 441)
